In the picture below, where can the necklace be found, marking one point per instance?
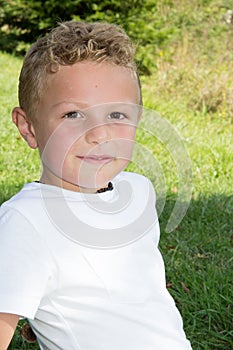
(101, 190)
(105, 189)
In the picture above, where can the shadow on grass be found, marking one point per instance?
(198, 260)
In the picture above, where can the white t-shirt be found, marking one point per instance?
(85, 269)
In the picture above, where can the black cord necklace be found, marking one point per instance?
(101, 190)
(105, 189)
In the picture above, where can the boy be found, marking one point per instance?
(86, 232)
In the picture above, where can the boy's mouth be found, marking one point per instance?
(96, 159)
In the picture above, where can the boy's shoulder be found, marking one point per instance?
(29, 190)
(135, 184)
(138, 181)
(27, 200)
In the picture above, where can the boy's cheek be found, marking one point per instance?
(125, 132)
(56, 148)
(124, 148)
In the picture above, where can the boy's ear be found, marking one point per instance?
(24, 126)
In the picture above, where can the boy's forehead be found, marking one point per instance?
(92, 70)
(89, 81)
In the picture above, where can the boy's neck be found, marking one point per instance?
(75, 188)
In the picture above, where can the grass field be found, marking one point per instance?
(191, 87)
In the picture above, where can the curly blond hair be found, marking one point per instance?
(68, 43)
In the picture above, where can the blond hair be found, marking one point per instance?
(69, 43)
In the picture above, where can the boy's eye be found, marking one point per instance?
(73, 115)
(117, 115)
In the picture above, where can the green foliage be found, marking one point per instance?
(152, 25)
(22, 21)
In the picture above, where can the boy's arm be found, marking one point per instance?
(8, 323)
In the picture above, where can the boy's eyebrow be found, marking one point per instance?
(80, 104)
(84, 105)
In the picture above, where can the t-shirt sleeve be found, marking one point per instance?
(25, 265)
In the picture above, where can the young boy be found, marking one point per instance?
(79, 249)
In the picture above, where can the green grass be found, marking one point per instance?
(18, 163)
(191, 87)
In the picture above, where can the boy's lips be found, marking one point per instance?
(96, 159)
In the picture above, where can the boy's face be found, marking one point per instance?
(85, 125)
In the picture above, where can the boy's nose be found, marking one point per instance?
(98, 134)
